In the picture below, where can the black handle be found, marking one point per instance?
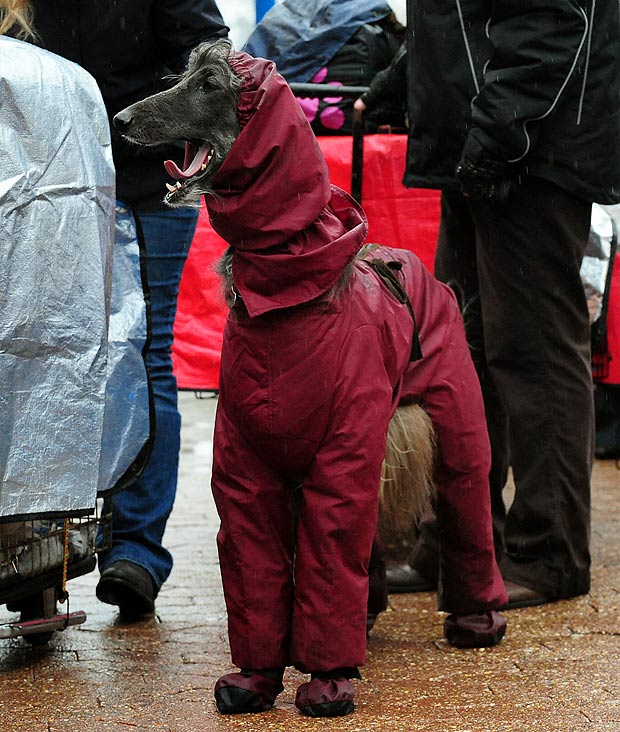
(353, 92)
(327, 90)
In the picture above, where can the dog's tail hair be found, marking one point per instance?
(407, 476)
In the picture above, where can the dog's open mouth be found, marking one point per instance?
(195, 166)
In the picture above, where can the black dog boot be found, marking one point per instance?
(129, 586)
(475, 630)
(249, 691)
(328, 694)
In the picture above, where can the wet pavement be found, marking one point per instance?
(557, 670)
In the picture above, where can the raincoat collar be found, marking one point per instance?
(292, 233)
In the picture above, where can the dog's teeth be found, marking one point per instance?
(170, 187)
(203, 166)
(178, 185)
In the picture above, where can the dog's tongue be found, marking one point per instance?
(194, 160)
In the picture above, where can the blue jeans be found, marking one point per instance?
(140, 512)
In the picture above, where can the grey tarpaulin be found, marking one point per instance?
(126, 423)
(71, 419)
(596, 261)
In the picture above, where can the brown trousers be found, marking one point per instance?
(515, 269)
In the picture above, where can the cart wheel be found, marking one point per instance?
(42, 605)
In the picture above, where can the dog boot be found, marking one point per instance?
(329, 694)
(475, 630)
(248, 691)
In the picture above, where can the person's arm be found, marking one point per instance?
(537, 44)
(388, 84)
(182, 24)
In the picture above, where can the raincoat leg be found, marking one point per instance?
(338, 522)
(256, 549)
(470, 578)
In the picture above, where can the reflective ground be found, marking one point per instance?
(557, 670)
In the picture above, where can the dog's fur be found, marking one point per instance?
(202, 109)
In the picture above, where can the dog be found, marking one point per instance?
(210, 129)
(342, 362)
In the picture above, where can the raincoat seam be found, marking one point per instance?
(525, 122)
(269, 395)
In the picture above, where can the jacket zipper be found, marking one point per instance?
(470, 59)
(587, 37)
(586, 34)
(587, 65)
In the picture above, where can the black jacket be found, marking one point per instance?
(130, 46)
(517, 87)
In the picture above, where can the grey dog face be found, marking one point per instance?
(200, 109)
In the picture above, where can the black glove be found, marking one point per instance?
(484, 178)
(389, 84)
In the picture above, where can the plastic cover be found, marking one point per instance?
(596, 261)
(301, 36)
(72, 420)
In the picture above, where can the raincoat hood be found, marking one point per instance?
(291, 231)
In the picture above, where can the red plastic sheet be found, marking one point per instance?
(201, 313)
(613, 326)
(397, 216)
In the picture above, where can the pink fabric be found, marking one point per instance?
(613, 326)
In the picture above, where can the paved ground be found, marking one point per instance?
(558, 669)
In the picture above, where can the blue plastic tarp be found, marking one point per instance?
(302, 36)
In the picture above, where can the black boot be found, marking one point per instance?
(248, 691)
(328, 694)
(129, 586)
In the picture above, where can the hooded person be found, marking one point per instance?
(317, 355)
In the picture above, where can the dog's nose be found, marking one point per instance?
(122, 120)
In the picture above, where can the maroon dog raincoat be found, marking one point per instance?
(309, 382)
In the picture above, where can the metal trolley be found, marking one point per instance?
(37, 559)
